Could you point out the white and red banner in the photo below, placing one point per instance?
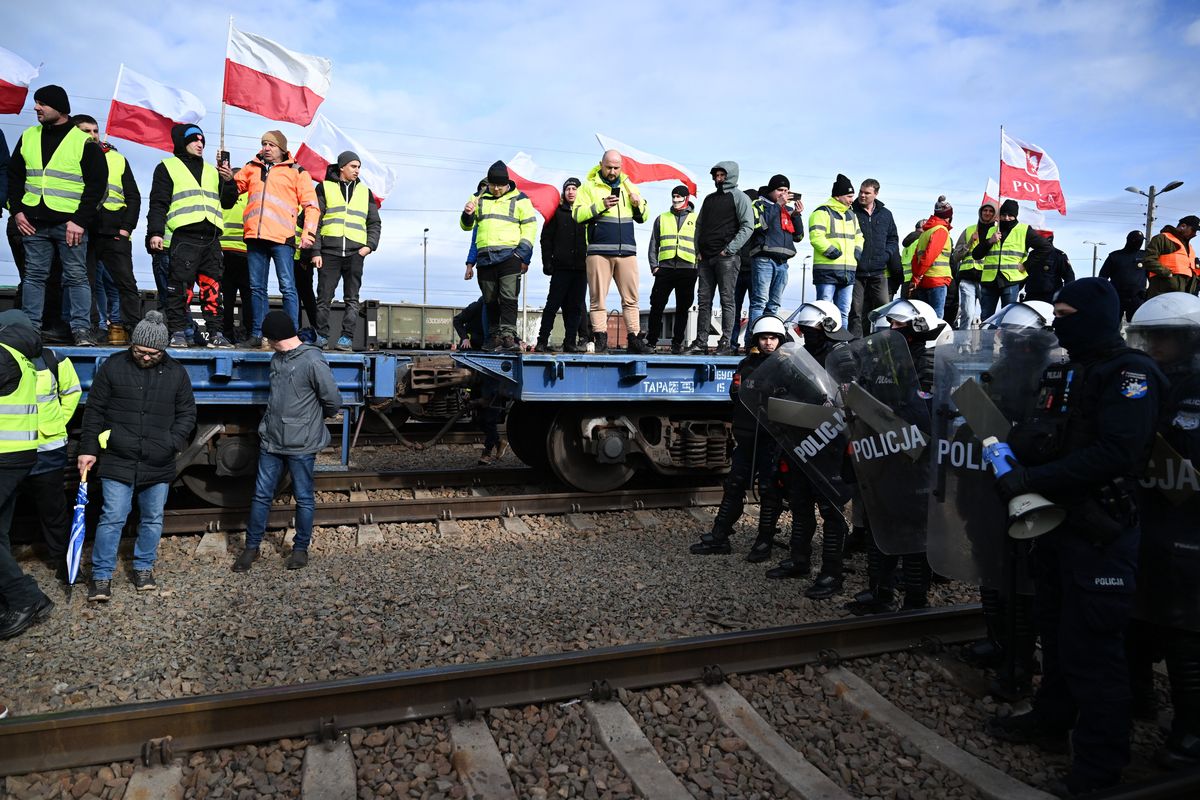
(15, 76)
(326, 141)
(144, 110)
(1028, 173)
(540, 185)
(1030, 214)
(268, 79)
(643, 167)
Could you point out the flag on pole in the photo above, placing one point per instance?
(642, 167)
(15, 76)
(325, 142)
(1028, 173)
(1030, 214)
(144, 110)
(266, 78)
(992, 193)
(541, 186)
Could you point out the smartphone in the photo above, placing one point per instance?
(616, 191)
(794, 196)
(223, 157)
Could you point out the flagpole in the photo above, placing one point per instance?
(228, 41)
(999, 185)
(120, 72)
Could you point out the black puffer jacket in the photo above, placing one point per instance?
(151, 413)
(564, 242)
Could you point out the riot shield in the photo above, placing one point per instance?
(968, 522)
(792, 397)
(889, 433)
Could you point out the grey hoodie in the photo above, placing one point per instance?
(741, 207)
(303, 394)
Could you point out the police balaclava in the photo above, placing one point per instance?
(1096, 324)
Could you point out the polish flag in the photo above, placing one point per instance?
(642, 167)
(15, 76)
(325, 142)
(1028, 173)
(144, 110)
(1030, 214)
(266, 78)
(541, 186)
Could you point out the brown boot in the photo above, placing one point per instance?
(118, 336)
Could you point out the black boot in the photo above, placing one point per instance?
(916, 575)
(601, 342)
(879, 596)
(790, 569)
(636, 344)
(542, 346)
(712, 544)
(829, 582)
(824, 587)
(856, 542)
(989, 652)
(569, 345)
(770, 509)
(716, 542)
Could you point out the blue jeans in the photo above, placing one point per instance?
(936, 297)
(270, 466)
(108, 301)
(842, 297)
(768, 279)
(968, 305)
(990, 294)
(259, 255)
(118, 499)
(39, 252)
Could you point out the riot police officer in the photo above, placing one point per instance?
(1091, 432)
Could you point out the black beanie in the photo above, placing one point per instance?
(1097, 317)
(841, 186)
(53, 96)
(778, 181)
(346, 157)
(680, 191)
(184, 134)
(497, 174)
(1009, 208)
(277, 325)
(571, 182)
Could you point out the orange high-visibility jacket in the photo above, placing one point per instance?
(274, 197)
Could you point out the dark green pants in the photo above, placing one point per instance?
(500, 285)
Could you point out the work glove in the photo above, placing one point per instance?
(832, 252)
(1014, 482)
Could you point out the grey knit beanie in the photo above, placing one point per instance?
(151, 332)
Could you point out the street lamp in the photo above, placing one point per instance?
(1150, 201)
(1095, 247)
(424, 281)
(803, 285)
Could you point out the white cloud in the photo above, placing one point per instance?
(1191, 33)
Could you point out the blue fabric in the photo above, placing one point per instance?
(259, 255)
(935, 296)
(768, 279)
(968, 304)
(108, 301)
(990, 295)
(842, 297)
(270, 467)
(118, 499)
(39, 252)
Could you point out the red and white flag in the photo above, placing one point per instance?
(642, 167)
(541, 186)
(992, 193)
(144, 110)
(15, 76)
(326, 141)
(268, 79)
(1030, 214)
(1028, 173)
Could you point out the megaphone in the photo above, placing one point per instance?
(1029, 515)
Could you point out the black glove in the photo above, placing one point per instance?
(832, 252)
(1014, 482)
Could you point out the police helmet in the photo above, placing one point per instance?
(916, 314)
(1026, 314)
(821, 314)
(1170, 310)
(768, 323)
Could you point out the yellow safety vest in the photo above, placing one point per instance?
(677, 242)
(906, 259)
(192, 202)
(19, 409)
(941, 265)
(231, 233)
(500, 221)
(57, 398)
(339, 221)
(1007, 256)
(968, 264)
(828, 226)
(114, 198)
(60, 183)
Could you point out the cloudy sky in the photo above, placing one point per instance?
(911, 93)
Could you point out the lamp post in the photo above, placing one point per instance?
(424, 281)
(803, 285)
(1095, 247)
(1153, 193)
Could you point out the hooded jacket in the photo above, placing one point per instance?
(652, 254)
(339, 246)
(563, 242)
(610, 231)
(17, 332)
(303, 394)
(162, 187)
(967, 240)
(726, 219)
(277, 193)
(95, 180)
(881, 241)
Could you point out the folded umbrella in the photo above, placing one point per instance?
(78, 530)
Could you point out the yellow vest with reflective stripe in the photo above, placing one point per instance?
(59, 183)
(19, 410)
(941, 265)
(54, 401)
(839, 229)
(498, 220)
(906, 259)
(114, 198)
(676, 242)
(192, 202)
(339, 221)
(970, 265)
(1007, 256)
(231, 233)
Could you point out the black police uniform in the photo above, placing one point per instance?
(1089, 435)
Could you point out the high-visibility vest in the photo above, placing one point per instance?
(498, 221)
(114, 197)
(1180, 262)
(19, 409)
(192, 202)
(838, 229)
(233, 228)
(296, 241)
(58, 394)
(674, 241)
(941, 265)
(968, 264)
(60, 183)
(341, 221)
(906, 259)
(1007, 256)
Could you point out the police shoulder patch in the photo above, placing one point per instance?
(1133, 384)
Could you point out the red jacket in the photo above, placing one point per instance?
(923, 260)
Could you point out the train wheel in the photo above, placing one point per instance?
(527, 426)
(224, 491)
(576, 468)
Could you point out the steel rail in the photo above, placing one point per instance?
(334, 480)
(104, 735)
